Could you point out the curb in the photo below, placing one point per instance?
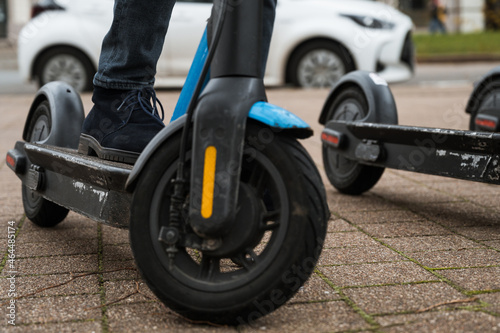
(462, 58)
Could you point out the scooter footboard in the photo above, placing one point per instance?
(87, 185)
(443, 152)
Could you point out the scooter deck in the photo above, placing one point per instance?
(85, 184)
(468, 155)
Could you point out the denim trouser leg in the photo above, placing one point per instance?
(133, 44)
(132, 47)
(268, 22)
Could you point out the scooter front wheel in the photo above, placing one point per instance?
(270, 251)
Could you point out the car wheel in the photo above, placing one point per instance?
(65, 64)
(319, 64)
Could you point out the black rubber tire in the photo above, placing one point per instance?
(348, 176)
(488, 98)
(291, 251)
(333, 49)
(80, 80)
(40, 211)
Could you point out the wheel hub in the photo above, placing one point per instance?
(245, 231)
(320, 68)
(40, 132)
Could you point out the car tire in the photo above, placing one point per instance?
(65, 64)
(319, 64)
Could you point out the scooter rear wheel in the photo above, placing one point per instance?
(488, 104)
(346, 175)
(281, 223)
(40, 211)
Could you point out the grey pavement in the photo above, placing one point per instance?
(417, 253)
(10, 80)
(449, 74)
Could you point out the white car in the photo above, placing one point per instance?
(314, 43)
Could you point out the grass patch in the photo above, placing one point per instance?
(481, 43)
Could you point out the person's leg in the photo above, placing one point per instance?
(123, 120)
(132, 47)
(433, 26)
(442, 27)
(269, 15)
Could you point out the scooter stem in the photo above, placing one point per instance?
(240, 46)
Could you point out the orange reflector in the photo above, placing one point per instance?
(207, 199)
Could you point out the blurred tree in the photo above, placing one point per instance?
(492, 14)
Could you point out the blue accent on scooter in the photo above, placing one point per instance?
(275, 116)
(192, 78)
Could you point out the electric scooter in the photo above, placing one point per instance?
(361, 136)
(226, 210)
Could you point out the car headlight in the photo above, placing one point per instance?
(370, 22)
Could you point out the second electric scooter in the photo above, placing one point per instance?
(361, 136)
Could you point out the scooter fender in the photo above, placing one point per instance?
(219, 125)
(475, 98)
(381, 106)
(66, 112)
(280, 120)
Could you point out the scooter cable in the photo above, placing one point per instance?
(201, 80)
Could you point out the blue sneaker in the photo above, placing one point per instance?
(120, 124)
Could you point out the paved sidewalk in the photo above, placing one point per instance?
(417, 253)
(8, 56)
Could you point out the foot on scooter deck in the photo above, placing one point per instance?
(90, 146)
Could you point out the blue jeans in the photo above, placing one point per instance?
(132, 47)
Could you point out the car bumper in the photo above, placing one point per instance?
(397, 62)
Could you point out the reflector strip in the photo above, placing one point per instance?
(207, 199)
(486, 123)
(330, 138)
(10, 161)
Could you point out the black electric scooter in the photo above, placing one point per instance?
(226, 210)
(361, 136)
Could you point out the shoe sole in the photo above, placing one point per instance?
(89, 146)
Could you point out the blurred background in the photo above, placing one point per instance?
(469, 34)
(464, 16)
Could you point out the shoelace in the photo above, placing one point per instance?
(142, 97)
